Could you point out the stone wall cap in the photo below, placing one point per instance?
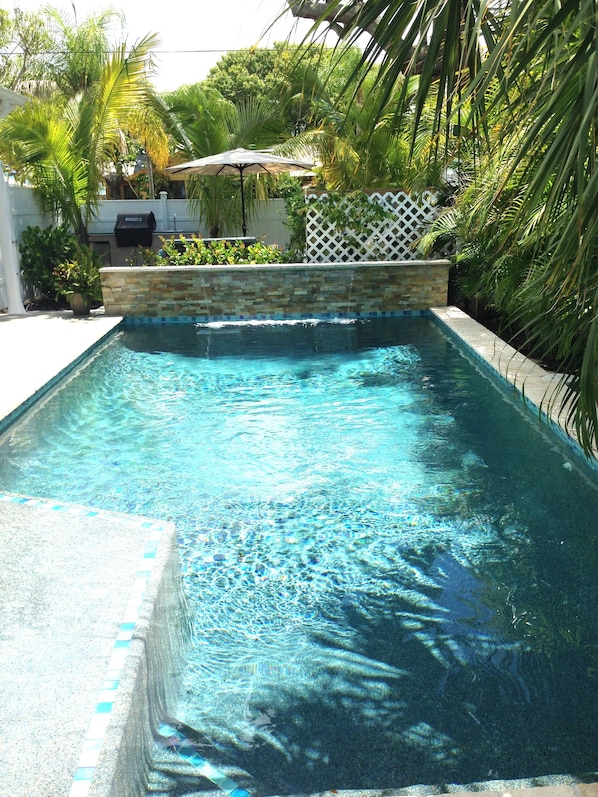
(279, 266)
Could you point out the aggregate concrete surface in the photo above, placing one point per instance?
(65, 580)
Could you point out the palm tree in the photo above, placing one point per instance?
(531, 67)
(204, 123)
(361, 147)
(62, 147)
(80, 47)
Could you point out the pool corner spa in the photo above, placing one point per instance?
(384, 573)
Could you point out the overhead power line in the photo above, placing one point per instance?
(154, 52)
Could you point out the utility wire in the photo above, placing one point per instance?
(154, 52)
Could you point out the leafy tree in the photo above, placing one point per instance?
(289, 75)
(62, 148)
(26, 47)
(253, 73)
(530, 67)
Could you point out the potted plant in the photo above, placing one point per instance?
(78, 280)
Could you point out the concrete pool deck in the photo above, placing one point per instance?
(67, 575)
(36, 347)
(66, 579)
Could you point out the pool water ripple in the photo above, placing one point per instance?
(391, 569)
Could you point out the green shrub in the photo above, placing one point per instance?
(195, 251)
(290, 190)
(41, 250)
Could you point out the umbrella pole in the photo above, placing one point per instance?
(243, 204)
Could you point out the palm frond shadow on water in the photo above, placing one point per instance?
(423, 688)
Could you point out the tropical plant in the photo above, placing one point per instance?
(352, 130)
(41, 250)
(195, 251)
(62, 148)
(79, 275)
(519, 78)
(80, 48)
(145, 125)
(204, 123)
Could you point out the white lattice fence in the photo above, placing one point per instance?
(393, 238)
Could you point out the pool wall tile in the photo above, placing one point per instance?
(142, 679)
(134, 321)
(539, 390)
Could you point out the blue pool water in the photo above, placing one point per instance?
(392, 568)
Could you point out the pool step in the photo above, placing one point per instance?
(185, 764)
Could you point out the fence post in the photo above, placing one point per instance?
(164, 209)
(8, 250)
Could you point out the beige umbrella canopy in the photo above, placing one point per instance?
(239, 162)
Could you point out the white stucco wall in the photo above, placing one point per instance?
(177, 215)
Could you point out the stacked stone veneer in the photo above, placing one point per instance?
(275, 291)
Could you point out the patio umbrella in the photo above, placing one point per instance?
(240, 161)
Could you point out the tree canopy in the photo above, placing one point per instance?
(63, 147)
(518, 82)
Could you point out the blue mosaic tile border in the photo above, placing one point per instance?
(186, 750)
(92, 744)
(204, 319)
(105, 700)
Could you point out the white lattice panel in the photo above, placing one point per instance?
(391, 239)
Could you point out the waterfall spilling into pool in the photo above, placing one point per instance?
(391, 564)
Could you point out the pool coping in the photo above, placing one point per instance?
(39, 349)
(541, 391)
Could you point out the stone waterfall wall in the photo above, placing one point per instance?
(275, 291)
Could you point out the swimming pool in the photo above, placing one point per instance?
(393, 568)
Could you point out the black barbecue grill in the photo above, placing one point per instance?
(134, 229)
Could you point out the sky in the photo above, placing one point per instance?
(194, 34)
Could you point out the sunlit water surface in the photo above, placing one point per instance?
(392, 570)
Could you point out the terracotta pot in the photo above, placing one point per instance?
(80, 305)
